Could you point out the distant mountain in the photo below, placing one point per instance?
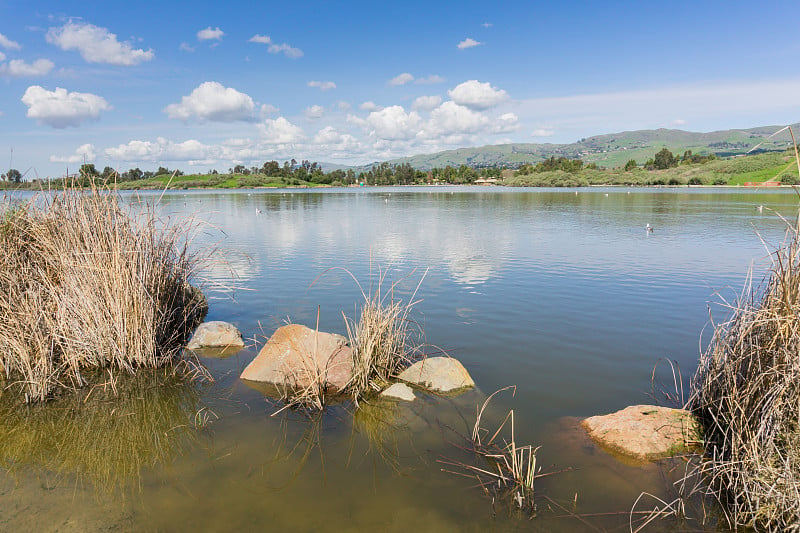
(611, 150)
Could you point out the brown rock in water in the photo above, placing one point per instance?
(439, 374)
(297, 356)
(646, 432)
(215, 334)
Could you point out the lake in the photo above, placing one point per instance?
(562, 293)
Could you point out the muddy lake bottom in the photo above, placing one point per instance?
(564, 295)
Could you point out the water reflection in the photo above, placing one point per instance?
(104, 436)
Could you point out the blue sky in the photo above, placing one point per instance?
(201, 85)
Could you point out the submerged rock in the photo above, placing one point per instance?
(646, 432)
(439, 374)
(297, 356)
(215, 334)
(399, 391)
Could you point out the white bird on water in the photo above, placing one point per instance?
(760, 208)
(258, 211)
(649, 228)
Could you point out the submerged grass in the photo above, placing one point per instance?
(86, 283)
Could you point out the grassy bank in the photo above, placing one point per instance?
(87, 283)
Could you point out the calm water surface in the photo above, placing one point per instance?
(564, 295)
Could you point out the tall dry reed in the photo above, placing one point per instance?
(87, 282)
(747, 393)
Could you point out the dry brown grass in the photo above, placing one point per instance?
(86, 283)
(747, 393)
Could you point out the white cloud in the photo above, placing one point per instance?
(450, 118)
(2, 56)
(84, 153)
(314, 112)
(289, 51)
(96, 45)
(487, 24)
(477, 95)
(186, 47)
(8, 44)
(369, 105)
(433, 78)
(341, 105)
(678, 122)
(60, 108)
(329, 138)
(275, 48)
(17, 68)
(210, 35)
(161, 150)
(214, 102)
(322, 85)
(401, 79)
(393, 123)
(468, 43)
(268, 109)
(262, 39)
(542, 132)
(506, 123)
(426, 103)
(280, 131)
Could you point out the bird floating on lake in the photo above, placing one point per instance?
(258, 211)
(606, 194)
(649, 228)
(760, 208)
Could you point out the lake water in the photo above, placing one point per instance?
(564, 295)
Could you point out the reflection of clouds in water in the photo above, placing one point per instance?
(391, 249)
(229, 268)
(471, 270)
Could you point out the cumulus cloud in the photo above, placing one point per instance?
(212, 101)
(314, 112)
(61, 108)
(477, 95)
(96, 44)
(329, 138)
(341, 105)
(280, 131)
(210, 35)
(275, 48)
(426, 103)
(160, 150)
(401, 79)
(468, 43)
(84, 153)
(17, 68)
(322, 85)
(450, 118)
(393, 123)
(369, 105)
(506, 123)
(542, 132)
(268, 109)
(8, 44)
(186, 47)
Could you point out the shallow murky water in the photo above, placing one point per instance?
(564, 295)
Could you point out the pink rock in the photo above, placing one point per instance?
(297, 356)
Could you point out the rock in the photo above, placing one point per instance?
(298, 356)
(646, 432)
(439, 374)
(399, 391)
(215, 334)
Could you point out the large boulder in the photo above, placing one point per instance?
(439, 374)
(645, 432)
(215, 334)
(297, 356)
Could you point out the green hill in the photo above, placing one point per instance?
(610, 150)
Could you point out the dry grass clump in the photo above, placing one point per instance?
(384, 339)
(747, 393)
(86, 284)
